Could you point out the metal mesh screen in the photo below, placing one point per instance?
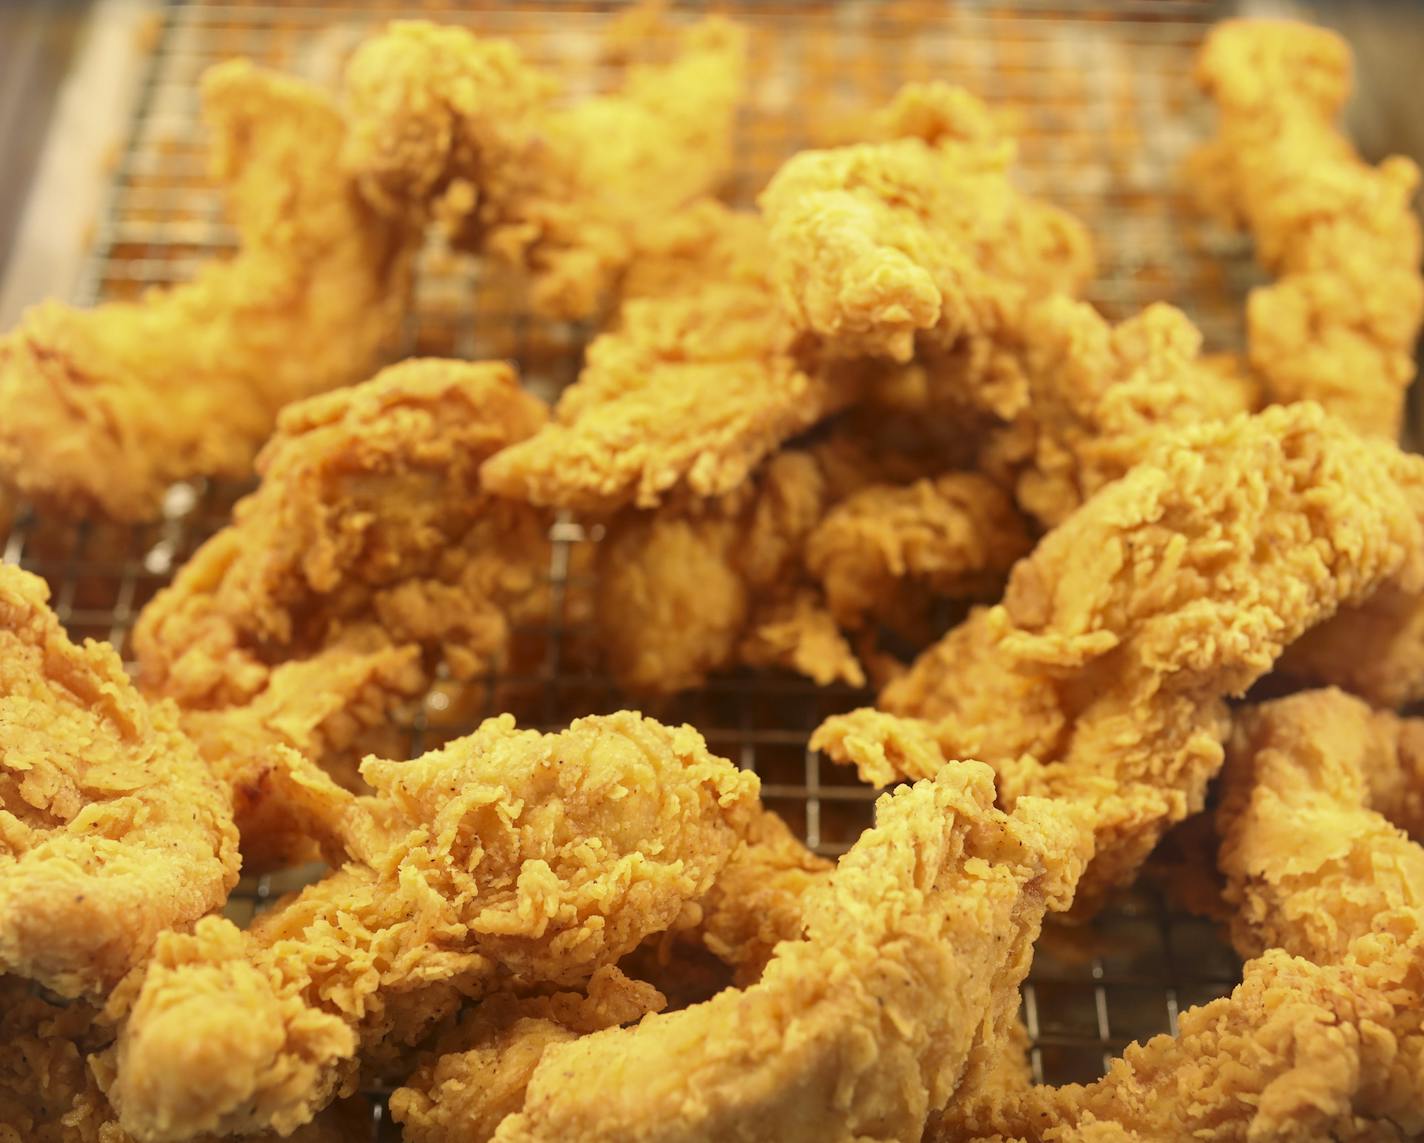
(1101, 99)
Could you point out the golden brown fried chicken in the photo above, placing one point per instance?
(955, 536)
(685, 592)
(1311, 857)
(105, 408)
(1131, 623)
(899, 993)
(478, 1072)
(759, 898)
(1100, 398)
(1297, 1053)
(47, 1094)
(507, 859)
(689, 392)
(1339, 324)
(1322, 1039)
(920, 240)
(112, 830)
(369, 553)
(462, 129)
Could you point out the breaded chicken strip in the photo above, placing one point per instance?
(688, 393)
(479, 1071)
(462, 129)
(1375, 650)
(1101, 396)
(684, 592)
(105, 408)
(954, 536)
(900, 992)
(1169, 591)
(507, 858)
(748, 579)
(1323, 1038)
(920, 240)
(47, 1094)
(112, 830)
(1342, 239)
(368, 554)
(1311, 857)
(1299, 1052)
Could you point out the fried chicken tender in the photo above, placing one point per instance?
(689, 392)
(1298, 1052)
(47, 1094)
(507, 858)
(956, 536)
(369, 553)
(1101, 396)
(759, 898)
(683, 593)
(462, 129)
(1311, 857)
(920, 240)
(900, 992)
(1169, 591)
(105, 408)
(480, 1070)
(1340, 322)
(112, 830)
(1322, 1039)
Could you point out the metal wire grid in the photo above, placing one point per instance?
(1101, 100)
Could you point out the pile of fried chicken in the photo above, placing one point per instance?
(806, 433)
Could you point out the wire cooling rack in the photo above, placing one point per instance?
(1101, 99)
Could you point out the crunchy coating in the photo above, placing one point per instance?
(368, 553)
(1100, 398)
(1375, 650)
(1297, 1053)
(47, 1094)
(508, 857)
(1342, 239)
(105, 408)
(920, 240)
(956, 535)
(900, 992)
(1311, 857)
(689, 392)
(682, 592)
(112, 830)
(1169, 591)
(1322, 1039)
(448, 125)
(759, 898)
(479, 1070)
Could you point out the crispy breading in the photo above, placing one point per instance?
(478, 1072)
(105, 408)
(1342, 239)
(368, 555)
(47, 1094)
(1169, 591)
(920, 240)
(900, 992)
(689, 391)
(1100, 398)
(507, 857)
(112, 830)
(1297, 1053)
(452, 126)
(954, 536)
(1322, 1038)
